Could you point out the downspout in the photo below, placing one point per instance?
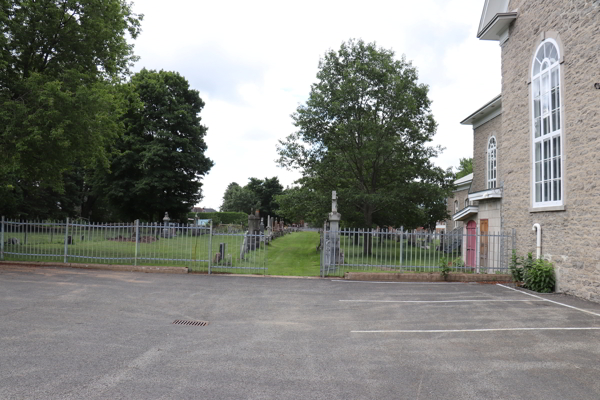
(538, 249)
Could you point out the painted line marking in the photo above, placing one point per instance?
(404, 283)
(431, 301)
(479, 330)
(551, 301)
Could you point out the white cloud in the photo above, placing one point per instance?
(254, 62)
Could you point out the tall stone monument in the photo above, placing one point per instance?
(253, 231)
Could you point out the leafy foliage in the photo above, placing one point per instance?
(536, 274)
(160, 159)
(257, 194)
(465, 167)
(59, 62)
(303, 204)
(445, 267)
(515, 267)
(364, 133)
(540, 277)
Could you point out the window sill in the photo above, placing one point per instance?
(551, 208)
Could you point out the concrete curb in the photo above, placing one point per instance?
(107, 267)
(426, 277)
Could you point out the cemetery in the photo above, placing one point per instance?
(258, 247)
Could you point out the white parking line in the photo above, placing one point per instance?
(479, 330)
(551, 301)
(403, 283)
(431, 301)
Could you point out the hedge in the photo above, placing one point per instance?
(222, 217)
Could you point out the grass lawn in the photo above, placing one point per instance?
(294, 254)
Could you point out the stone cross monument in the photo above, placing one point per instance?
(334, 216)
(334, 256)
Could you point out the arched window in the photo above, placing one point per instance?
(491, 163)
(547, 126)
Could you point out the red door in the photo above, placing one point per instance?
(471, 244)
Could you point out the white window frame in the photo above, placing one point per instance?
(547, 125)
(492, 157)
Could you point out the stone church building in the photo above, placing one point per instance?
(536, 148)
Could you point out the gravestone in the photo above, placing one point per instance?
(253, 231)
(261, 229)
(166, 232)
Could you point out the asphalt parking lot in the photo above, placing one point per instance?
(74, 334)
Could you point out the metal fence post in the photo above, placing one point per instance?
(401, 246)
(137, 240)
(2, 240)
(210, 245)
(66, 240)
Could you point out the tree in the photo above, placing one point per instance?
(464, 168)
(364, 132)
(266, 190)
(59, 104)
(300, 203)
(239, 199)
(257, 194)
(160, 159)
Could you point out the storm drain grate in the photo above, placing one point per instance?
(194, 323)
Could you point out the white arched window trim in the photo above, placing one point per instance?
(492, 150)
(547, 126)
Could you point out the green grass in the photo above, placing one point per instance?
(294, 254)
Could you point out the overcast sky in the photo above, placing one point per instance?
(253, 63)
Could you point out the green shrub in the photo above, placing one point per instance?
(540, 276)
(527, 262)
(458, 262)
(444, 267)
(515, 268)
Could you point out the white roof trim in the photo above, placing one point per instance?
(497, 29)
(488, 194)
(465, 213)
(464, 179)
(490, 9)
(490, 110)
(463, 183)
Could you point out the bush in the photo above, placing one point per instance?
(515, 268)
(540, 277)
(458, 263)
(444, 267)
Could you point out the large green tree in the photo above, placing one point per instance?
(364, 132)
(59, 62)
(257, 194)
(160, 159)
(61, 65)
(239, 199)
